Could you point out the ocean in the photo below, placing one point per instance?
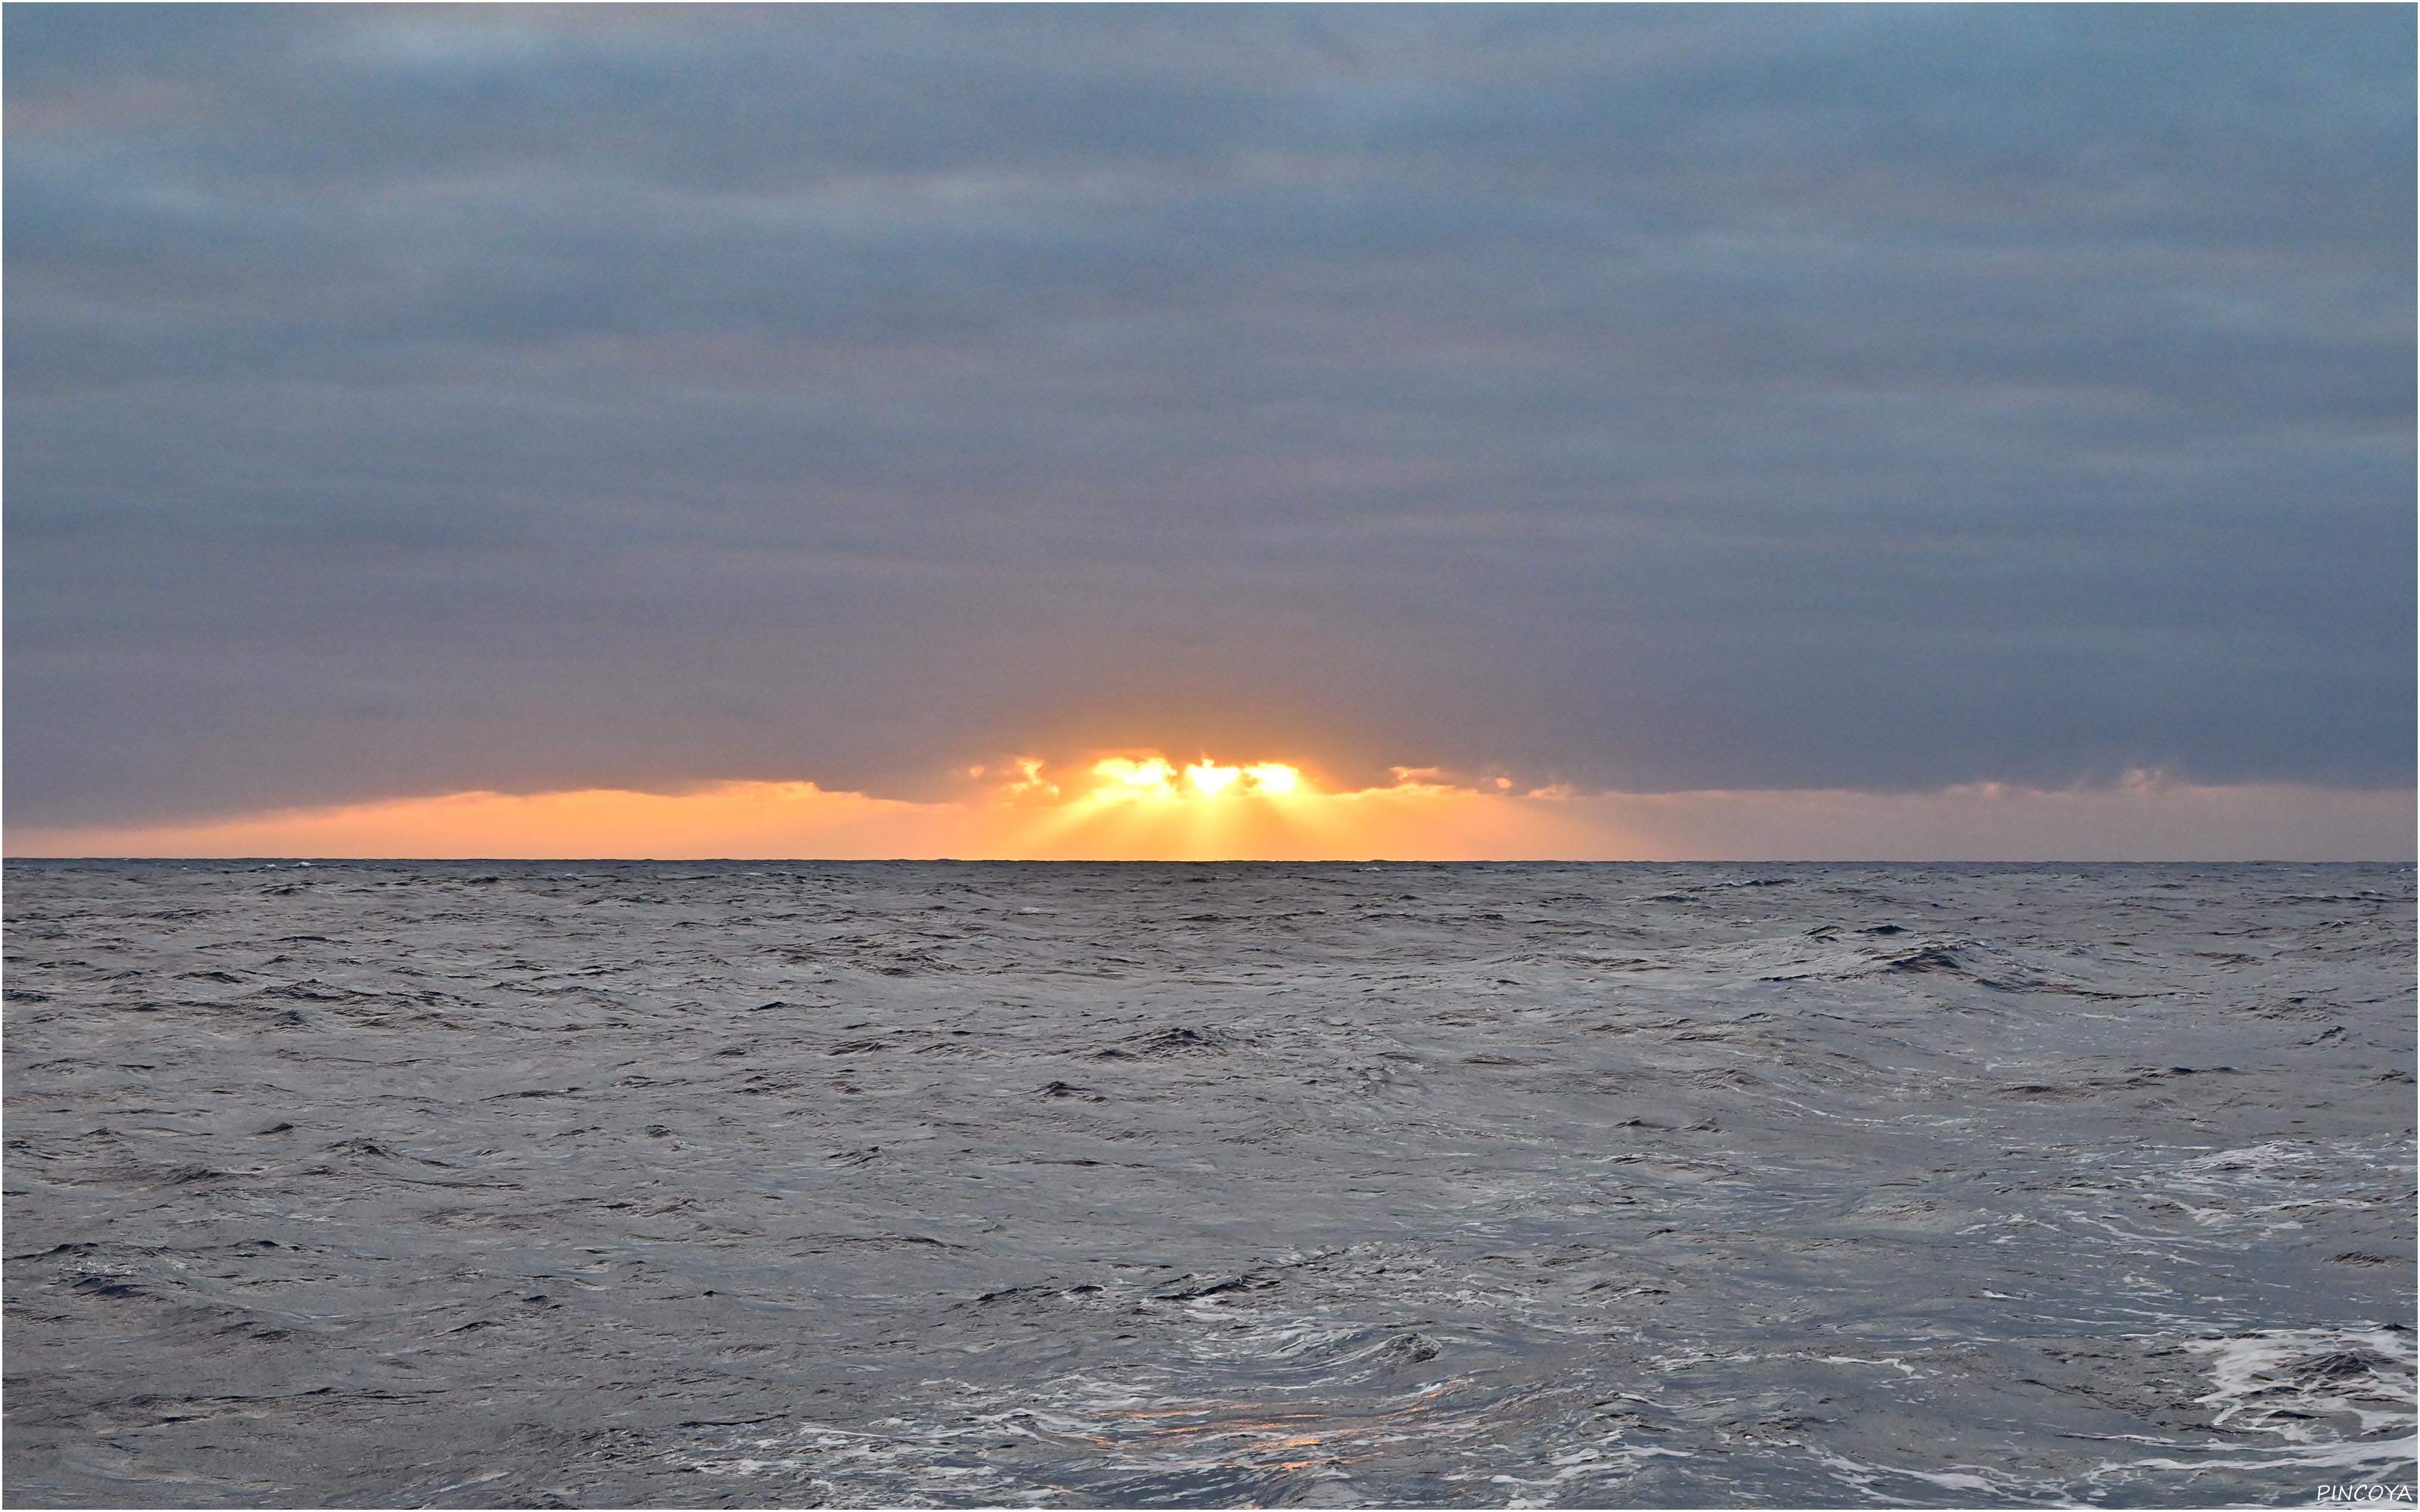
(1207, 1185)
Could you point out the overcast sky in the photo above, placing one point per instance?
(404, 401)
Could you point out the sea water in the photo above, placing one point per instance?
(759, 1184)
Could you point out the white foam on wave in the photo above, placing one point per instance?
(2326, 1398)
(1612, 1460)
(1973, 1480)
(2301, 1384)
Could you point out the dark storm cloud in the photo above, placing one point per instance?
(404, 400)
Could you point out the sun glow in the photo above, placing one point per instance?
(1141, 806)
(1156, 780)
(1272, 778)
(1124, 778)
(1209, 780)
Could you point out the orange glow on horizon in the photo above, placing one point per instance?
(1138, 806)
(1141, 806)
(1155, 779)
(1144, 807)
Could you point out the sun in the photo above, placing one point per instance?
(1156, 780)
(1141, 803)
(1272, 778)
(1208, 778)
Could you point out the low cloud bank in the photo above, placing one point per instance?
(1419, 817)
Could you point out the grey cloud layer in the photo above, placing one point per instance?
(403, 400)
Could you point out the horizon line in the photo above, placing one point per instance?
(1230, 860)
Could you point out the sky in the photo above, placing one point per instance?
(1586, 432)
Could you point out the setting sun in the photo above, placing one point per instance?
(1128, 779)
(1210, 779)
(1155, 779)
(1272, 776)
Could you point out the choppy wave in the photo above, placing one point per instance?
(1187, 1185)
